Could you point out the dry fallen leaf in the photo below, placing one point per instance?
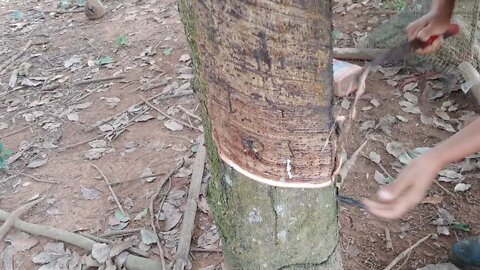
(367, 125)
(435, 199)
(39, 162)
(443, 230)
(90, 194)
(395, 148)
(413, 110)
(375, 157)
(100, 252)
(173, 125)
(426, 120)
(413, 99)
(21, 241)
(460, 187)
(345, 104)
(402, 118)
(375, 102)
(410, 86)
(73, 117)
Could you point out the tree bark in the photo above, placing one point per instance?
(263, 77)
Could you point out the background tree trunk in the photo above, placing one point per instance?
(264, 79)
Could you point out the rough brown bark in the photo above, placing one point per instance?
(267, 67)
(263, 77)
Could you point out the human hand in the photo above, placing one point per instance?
(395, 200)
(433, 23)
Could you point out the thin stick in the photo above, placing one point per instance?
(122, 232)
(406, 252)
(105, 120)
(15, 215)
(152, 216)
(207, 250)
(136, 178)
(109, 187)
(149, 82)
(388, 239)
(444, 189)
(62, 11)
(168, 116)
(36, 179)
(132, 263)
(14, 132)
(107, 241)
(80, 143)
(188, 223)
(15, 57)
(102, 79)
(50, 87)
(189, 113)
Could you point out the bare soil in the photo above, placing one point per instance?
(155, 46)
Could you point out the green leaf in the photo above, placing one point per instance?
(6, 153)
(17, 15)
(121, 217)
(148, 237)
(104, 60)
(167, 51)
(195, 148)
(460, 226)
(121, 41)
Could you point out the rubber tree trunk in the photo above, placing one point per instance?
(263, 77)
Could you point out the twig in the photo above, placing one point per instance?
(102, 79)
(149, 82)
(80, 143)
(188, 223)
(50, 87)
(208, 250)
(15, 215)
(388, 239)
(132, 263)
(14, 132)
(36, 179)
(107, 241)
(379, 165)
(160, 205)
(105, 120)
(189, 113)
(122, 232)
(444, 189)
(136, 178)
(406, 252)
(168, 116)
(15, 57)
(109, 187)
(62, 11)
(152, 216)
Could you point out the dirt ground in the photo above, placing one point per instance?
(48, 110)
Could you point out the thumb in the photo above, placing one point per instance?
(391, 192)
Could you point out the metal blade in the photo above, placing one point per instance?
(393, 55)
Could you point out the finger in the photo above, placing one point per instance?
(412, 30)
(393, 191)
(398, 208)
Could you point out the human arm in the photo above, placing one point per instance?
(395, 200)
(435, 22)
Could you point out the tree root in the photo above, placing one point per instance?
(133, 262)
